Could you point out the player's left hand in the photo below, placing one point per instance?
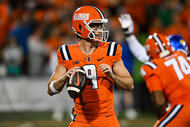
(126, 23)
(106, 69)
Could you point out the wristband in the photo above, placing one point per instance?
(128, 35)
(125, 30)
(52, 87)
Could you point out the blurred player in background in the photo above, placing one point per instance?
(103, 65)
(177, 42)
(167, 76)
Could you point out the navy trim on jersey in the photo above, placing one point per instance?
(109, 49)
(112, 48)
(115, 49)
(67, 50)
(170, 116)
(61, 51)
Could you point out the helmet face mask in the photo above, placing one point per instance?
(97, 32)
(157, 46)
(85, 17)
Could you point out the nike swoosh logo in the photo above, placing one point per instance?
(100, 59)
(77, 83)
(108, 115)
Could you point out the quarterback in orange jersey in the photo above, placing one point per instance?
(102, 63)
(167, 77)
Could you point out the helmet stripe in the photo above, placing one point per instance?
(159, 42)
(100, 12)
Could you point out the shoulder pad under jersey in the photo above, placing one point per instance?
(147, 69)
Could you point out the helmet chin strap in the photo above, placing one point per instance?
(92, 38)
(103, 37)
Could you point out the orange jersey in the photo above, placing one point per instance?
(97, 98)
(170, 75)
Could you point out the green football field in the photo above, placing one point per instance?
(44, 119)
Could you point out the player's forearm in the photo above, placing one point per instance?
(159, 102)
(137, 49)
(125, 83)
(56, 86)
(160, 110)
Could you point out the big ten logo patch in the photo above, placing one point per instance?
(76, 62)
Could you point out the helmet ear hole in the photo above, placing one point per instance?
(80, 27)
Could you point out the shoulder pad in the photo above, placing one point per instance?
(147, 69)
(183, 51)
(151, 65)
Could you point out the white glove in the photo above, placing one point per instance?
(126, 24)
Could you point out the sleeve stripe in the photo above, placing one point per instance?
(65, 52)
(115, 49)
(112, 49)
(61, 51)
(152, 65)
(68, 52)
(108, 49)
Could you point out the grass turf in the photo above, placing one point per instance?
(44, 119)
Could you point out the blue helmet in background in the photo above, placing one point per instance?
(177, 42)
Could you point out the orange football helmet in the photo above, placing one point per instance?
(81, 20)
(157, 46)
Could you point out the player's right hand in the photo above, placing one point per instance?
(126, 23)
(71, 71)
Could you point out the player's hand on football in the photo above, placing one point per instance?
(126, 23)
(106, 69)
(71, 71)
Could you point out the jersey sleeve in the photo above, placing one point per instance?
(118, 55)
(152, 80)
(63, 55)
(153, 83)
(114, 50)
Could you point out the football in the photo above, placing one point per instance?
(76, 83)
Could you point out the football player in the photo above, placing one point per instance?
(177, 42)
(103, 65)
(167, 77)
